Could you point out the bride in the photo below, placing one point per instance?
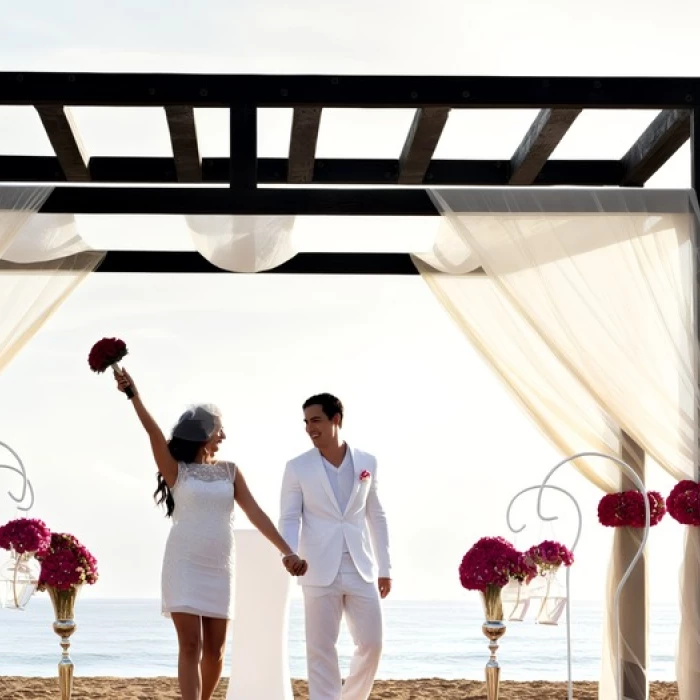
(198, 567)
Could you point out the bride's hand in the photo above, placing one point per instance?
(294, 565)
(124, 381)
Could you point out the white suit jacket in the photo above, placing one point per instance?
(308, 501)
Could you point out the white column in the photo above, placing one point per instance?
(260, 659)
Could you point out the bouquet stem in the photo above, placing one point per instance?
(128, 391)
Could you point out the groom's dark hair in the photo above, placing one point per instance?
(331, 405)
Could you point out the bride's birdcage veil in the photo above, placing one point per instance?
(198, 423)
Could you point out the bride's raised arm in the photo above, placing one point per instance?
(167, 465)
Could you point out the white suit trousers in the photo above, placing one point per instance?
(324, 607)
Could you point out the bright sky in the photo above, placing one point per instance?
(453, 448)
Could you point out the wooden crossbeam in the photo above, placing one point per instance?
(325, 201)
(62, 132)
(302, 144)
(252, 202)
(660, 140)
(423, 136)
(243, 164)
(543, 136)
(373, 91)
(328, 171)
(183, 137)
(304, 263)
(695, 156)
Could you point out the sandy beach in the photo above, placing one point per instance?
(13, 688)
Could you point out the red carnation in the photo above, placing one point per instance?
(549, 555)
(684, 503)
(492, 561)
(105, 353)
(66, 563)
(626, 509)
(25, 535)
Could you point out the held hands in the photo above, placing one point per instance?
(294, 565)
(124, 381)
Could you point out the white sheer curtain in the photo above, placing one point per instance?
(17, 205)
(606, 280)
(243, 243)
(42, 260)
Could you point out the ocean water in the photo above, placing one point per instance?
(129, 638)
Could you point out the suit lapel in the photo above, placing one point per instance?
(325, 482)
(357, 484)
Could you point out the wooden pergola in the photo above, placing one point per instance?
(188, 184)
(302, 184)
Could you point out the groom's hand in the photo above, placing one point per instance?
(384, 587)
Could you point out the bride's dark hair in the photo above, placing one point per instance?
(182, 451)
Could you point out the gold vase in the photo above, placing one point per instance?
(63, 602)
(493, 628)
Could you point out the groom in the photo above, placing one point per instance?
(331, 490)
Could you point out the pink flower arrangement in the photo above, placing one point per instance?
(549, 555)
(25, 535)
(492, 562)
(626, 509)
(365, 475)
(684, 503)
(67, 563)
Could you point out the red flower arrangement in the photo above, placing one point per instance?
(492, 562)
(25, 535)
(684, 503)
(365, 475)
(626, 509)
(105, 353)
(549, 555)
(67, 563)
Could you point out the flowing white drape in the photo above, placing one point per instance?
(42, 260)
(243, 243)
(605, 279)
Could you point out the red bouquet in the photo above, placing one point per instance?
(66, 563)
(684, 503)
(25, 535)
(626, 509)
(549, 555)
(493, 561)
(107, 353)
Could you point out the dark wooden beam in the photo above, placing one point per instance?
(660, 140)
(62, 132)
(201, 200)
(422, 139)
(302, 264)
(327, 171)
(93, 199)
(243, 165)
(302, 145)
(543, 136)
(207, 90)
(695, 153)
(183, 137)
(38, 169)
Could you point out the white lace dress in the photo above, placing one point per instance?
(199, 561)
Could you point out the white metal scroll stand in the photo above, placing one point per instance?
(629, 472)
(27, 489)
